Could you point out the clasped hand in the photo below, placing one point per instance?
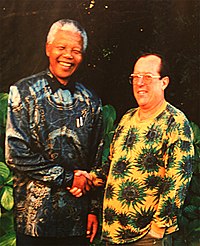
(81, 184)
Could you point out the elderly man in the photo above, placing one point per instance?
(151, 163)
(53, 139)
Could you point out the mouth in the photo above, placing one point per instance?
(142, 92)
(67, 65)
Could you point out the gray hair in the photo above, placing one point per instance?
(67, 25)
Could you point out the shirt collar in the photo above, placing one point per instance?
(55, 84)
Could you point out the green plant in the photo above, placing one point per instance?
(189, 221)
(7, 233)
(109, 118)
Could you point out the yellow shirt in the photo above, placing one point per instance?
(150, 171)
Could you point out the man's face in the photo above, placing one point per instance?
(65, 54)
(148, 95)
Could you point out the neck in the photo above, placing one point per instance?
(146, 113)
(60, 80)
(63, 82)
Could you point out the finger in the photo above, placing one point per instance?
(89, 228)
(88, 233)
(89, 185)
(73, 190)
(84, 173)
(79, 182)
(76, 192)
(78, 173)
(93, 232)
(78, 195)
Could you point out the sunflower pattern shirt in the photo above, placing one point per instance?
(150, 171)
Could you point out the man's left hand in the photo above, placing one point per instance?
(92, 226)
(155, 235)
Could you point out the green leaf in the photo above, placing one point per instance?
(179, 242)
(194, 226)
(3, 110)
(6, 222)
(196, 131)
(7, 200)
(195, 200)
(109, 117)
(9, 239)
(2, 157)
(4, 170)
(109, 111)
(109, 125)
(191, 212)
(183, 222)
(106, 152)
(195, 185)
(9, 180)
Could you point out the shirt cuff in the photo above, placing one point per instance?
(157, 232)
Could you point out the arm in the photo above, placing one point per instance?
(24, 153)
(178, 173)
(84, 181)
(92, 226)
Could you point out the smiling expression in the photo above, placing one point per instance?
(148, 96)
(65, 54)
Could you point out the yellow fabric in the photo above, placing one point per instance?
(149, 174)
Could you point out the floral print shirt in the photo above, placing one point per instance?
(150, 171)
(52, 130)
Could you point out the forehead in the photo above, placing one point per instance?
(68, 37)
(149, 63)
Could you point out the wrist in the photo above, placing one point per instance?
(155, 234)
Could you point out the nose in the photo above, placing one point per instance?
(68, 53)
(141, 80)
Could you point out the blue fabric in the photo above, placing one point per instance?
(50, 133)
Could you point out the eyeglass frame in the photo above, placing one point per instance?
(142, 76)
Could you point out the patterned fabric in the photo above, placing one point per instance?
(149, 175)
(52, 130)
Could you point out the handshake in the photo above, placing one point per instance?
(83, 182)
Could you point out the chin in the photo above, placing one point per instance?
(143, 105)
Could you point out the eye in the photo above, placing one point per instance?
(77, 52)
(148, 76)
(136, 76)
(60, 47)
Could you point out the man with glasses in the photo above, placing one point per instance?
(150, 163)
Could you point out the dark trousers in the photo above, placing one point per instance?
(148, 241)
(24, 240)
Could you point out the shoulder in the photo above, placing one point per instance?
(87, 93)
(30, 80)
(129, 113)
(176, 113)
(177, 121)
(30, 84)
(127, 116)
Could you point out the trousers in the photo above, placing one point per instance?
(147, 240)
(24, 240)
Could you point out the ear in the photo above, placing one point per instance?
(48, 49)
(165, 82)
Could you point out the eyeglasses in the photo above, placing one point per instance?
(134, 79)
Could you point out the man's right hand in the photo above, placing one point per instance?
(81, 184)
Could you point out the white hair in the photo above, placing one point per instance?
(67, 25)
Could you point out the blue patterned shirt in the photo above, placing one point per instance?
(52, 130)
